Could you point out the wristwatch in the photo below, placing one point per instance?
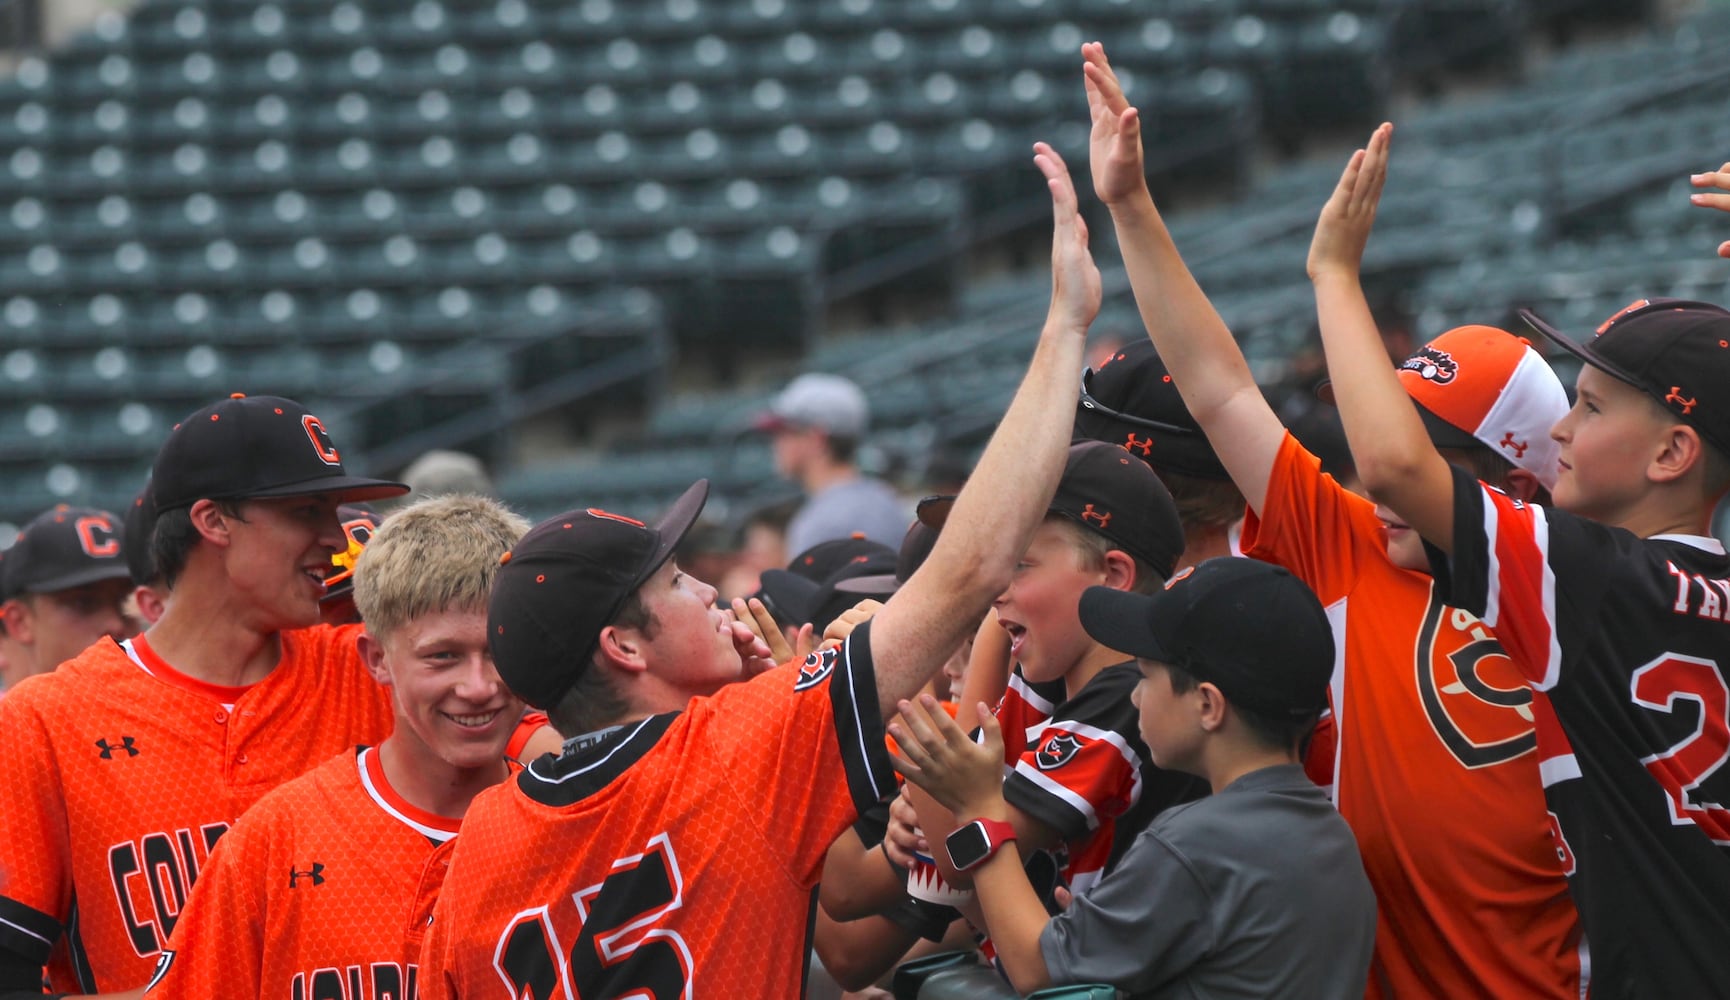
(969, 846)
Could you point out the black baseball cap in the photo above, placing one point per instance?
(140, 525)
(359, 521)
(62, 548)
(255, 447)
(1106, 490)
(1249, 627)
(1131, 401)
(565, 582)
(916, 546)
(1674, 350)
(796, 594)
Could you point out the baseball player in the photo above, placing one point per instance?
(131, 761)
(1612, 601)
(149, 598)
(705, 800)
(1436, 769)
(324, 887)
(62, 585)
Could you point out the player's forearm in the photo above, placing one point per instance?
(1393, 453)
(856, 953)
(858, 881)
(1193, 341)
(987, 666)
(1014, 917)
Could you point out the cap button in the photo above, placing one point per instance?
(237, 395)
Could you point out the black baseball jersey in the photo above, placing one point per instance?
(1088, 775)
(1626, 640)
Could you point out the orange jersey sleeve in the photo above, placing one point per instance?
(702, 835)
(125, 775)
(323, 889)
(532, 722)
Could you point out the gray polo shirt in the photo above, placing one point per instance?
(863, 505)
(1255, 892)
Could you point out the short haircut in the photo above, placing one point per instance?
(434, 555)
(1714, 463)
(1203, 504)
(174, 537)
(1092, 547)
(1274, 734)
(594, 702)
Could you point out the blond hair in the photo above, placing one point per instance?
(434, 555)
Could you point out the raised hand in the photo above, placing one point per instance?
(1718, 180)
(1346, 220)
(1075, 286)
(936, 754)
(756, 617)
(1114, 145)
(852, 618)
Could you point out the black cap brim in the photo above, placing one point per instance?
(879, 585)
(673, 526)
(791, 598)
(80, 578)
(1117, 619)
(346, 489)
(1579, 350)
(933, 511)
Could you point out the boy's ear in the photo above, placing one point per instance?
(1680, 451)
(1120, 571)
(622, 648)
(1521, 485)
(1212, 707)
(19, 623)
(372, 656)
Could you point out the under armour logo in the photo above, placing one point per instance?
(316, 873)
(1517, 447)
(1145, 445)
(1092, 516)
(126, 744)
(1675, 398)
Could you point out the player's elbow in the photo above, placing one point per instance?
(1387, 471)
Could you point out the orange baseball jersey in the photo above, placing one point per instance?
(320, 892)
(673, 857)
(531, 723)
(1435, 763)
(1628, 640)
(1087, 775)
(123, 773)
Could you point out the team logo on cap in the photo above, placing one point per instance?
(1091, 516)
(1625, 310)
(606, 516)
(1056, 751)
(1675, 398)
(1517, 447)
(320, 438)
(96, 536)
(1432, 365)
(1143, 445)
(816, 668)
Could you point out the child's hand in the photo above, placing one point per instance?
(962, 776)
(1114, 146)
(1720, 180)
(1344, 226)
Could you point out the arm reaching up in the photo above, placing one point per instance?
(1192, 339)
(1004, 499)
(1395, 458)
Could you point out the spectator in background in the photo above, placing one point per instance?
(64, 582)
(439, 472)
(817, 423)
(149, 597)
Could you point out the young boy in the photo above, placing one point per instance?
(1434, 769)
(1254, 891)
(1612, 602)
(63, 585)
(329, 879)
(1081, 783)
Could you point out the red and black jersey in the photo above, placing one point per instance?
(1087, 775)
(673, 857)
(1023, 711)
(1630, 640)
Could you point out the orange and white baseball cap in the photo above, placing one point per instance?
(1482, 385)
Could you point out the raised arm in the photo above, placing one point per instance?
(1395, 458)
(1719, 197)
(994, 517)
(1192, 339)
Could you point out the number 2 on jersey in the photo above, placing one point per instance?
(621, 950)
(1683, 768)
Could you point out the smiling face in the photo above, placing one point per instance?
(1039, 608)
(449, 702)
(1608, 440)
(279, 554)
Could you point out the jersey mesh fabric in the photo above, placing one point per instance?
(321, 890)
(124, 773)
(1629, 640)
(701, 834)
(1437, 774)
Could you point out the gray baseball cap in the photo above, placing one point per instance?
(828, 402)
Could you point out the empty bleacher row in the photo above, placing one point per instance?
(438, 203)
